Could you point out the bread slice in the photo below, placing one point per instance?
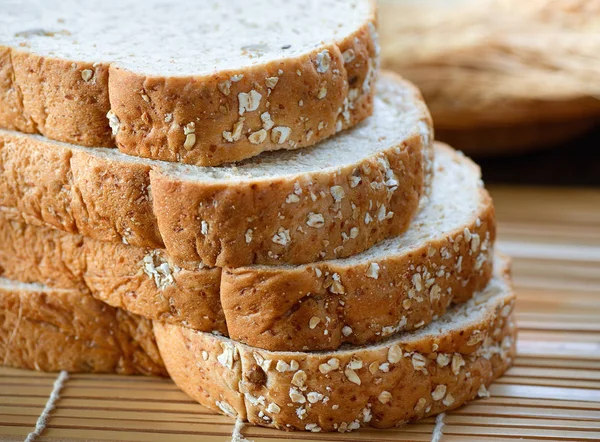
(142, 281)
(407, 377)
(200, 83)
(48, 329)
(329, 201)
(401, 284)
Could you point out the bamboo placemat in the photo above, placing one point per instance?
(552, 392)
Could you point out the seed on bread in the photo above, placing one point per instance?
(267, 121)
(483, 391)
(87, 74)
(385, 397)
(314, 428)
(226, 408)
(457, 363)
(373, 271)
(113, 122)
(443, 359)
(258, 137)
(349, 55)
(352, 376)
(330, 365)
(299, 378)
(476, 337)
(283, 366)
(394, 354)
(273, 408)
(296, 396)
(439, 392)
(314, 397)
(419, 361)
(314, 321)
(337, 192)
(322, 91)
(323, 61)
(280, 134)
(228, 357)
(271, 82)
(448, 400)
(236, 133)
(355, 363)
(315, 220)
(248, 102)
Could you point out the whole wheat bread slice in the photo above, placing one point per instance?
(139, 280)
(48, 329)
(408, 377)
(446, 252)
(401, 283)
(202, 83)
(333, 200)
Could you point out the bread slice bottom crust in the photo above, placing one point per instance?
(408, 377)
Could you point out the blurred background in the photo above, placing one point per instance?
(512, 83)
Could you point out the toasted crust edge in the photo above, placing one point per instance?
(51, 330)
(147, 282)
(55, 98)
(87, 191)
(245, 382)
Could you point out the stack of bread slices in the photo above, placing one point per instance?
(233, 195)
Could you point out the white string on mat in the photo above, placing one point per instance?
(237, 432)
(437, 430)
(40, 425)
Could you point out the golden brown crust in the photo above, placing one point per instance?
(304, 307)
(142, 104)
(380, 386)
(125, 277)
(48, 96)
(74, 190)
(280, 230)
(54, 97)
(51, 330)
(268, 307)
(115, 198)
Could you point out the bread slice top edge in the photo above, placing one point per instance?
(456, 198)
(400, 115)
(190, 38)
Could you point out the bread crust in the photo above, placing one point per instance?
(51, 330)
(379, 386)
(142, 281)
(116, 198)
(303, 307)
(54, 97)
(268, 307)
(257, 224)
